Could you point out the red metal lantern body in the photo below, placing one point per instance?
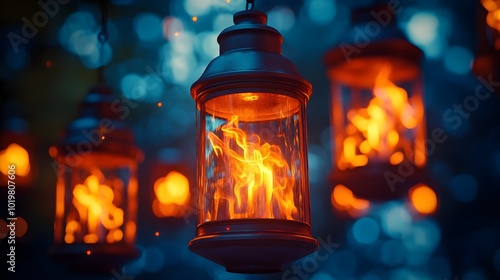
(253, 187)
(96, 192)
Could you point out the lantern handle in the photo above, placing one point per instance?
(250, 4)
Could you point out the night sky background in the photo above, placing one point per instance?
(44, 79)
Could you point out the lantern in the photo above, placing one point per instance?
(487, 61)
(377, 113)
(96, 192)
(252, 174)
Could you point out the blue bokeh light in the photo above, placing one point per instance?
(365, 230)
(321, 12)
(393, 253)
(154, 259)
(395, 220)
(148, 27)
(458, 60)
(464, 187)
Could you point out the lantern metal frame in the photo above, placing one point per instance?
(251, 61)
(119, 141)
(392, 46)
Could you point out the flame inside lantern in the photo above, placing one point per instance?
(98, 216)
(380, 131)
(260, 180)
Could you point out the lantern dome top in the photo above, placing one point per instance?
(250, 61)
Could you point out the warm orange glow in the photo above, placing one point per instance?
(157, 234)
(17, 155)
(423, 199)
(262, 186)
(195, 18)
(176, 34)
(377, 132)
(172, 192)
(344, 199)
(89, 252)
(160, 104)
(53, 151)
(493, 17)
(98, 215)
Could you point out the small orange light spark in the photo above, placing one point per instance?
(160, 104)
(103, 137)
(48, 63)
(157, 233)
(176, 34)
(89, 252)
(195, 18)
(228, 1)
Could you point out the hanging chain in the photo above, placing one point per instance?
(102, 38)
(250, 4)
(103, 34)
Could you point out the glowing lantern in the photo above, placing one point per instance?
(15, 148)
(96, 192)
(377, 112)
(253, 182)
(487, 61)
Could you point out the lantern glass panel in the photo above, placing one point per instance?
(96, 202)
(378, 118)
(252, 158)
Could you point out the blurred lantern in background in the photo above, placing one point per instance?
(377, 113)
(253, 187)
(487, 61)
(16, 148)
(96, 192)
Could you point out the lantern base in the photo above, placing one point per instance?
(93, 258)
(253, 245)
(380, 182)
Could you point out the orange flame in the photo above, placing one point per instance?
(17, 155)
(260, 180)
(377, 131)
(493, 17)
(172, 193)
(98, 215)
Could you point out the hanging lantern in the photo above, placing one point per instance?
(487, 60)
(253, 187)
(16, 149)
(96, 192)
(377, 113)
